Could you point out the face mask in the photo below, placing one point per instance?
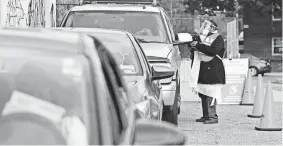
(205, 32)
(205, 28)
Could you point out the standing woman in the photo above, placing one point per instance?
(207, 65)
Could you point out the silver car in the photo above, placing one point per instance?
(257, 65)
(60, 89)
(151, 26)
(142, 80)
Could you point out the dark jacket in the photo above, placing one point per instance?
(212, 72)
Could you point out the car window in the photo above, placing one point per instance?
(144, 25)
(170, 26)
(69, 20)
(31, 83)
(116, 123)
(114, 120)
(123, 100)
(49, 79)
(118, 101)
(124, 52)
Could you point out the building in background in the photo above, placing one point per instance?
(263, 34)
(27, 13)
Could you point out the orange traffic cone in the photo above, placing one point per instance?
(248, 95)
(258, 102)
(267, 122)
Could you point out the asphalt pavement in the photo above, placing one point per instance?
(273, 78)
(234, 127)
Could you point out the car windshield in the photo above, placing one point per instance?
(145, 26)
(42, 85)
(124, 52)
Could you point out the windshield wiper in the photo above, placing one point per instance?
(146, 41)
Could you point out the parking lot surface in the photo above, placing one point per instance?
(234, 127)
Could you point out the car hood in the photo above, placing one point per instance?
(156, 49)
(136, 86)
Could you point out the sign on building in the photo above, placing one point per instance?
(232, 40)
(27, 13)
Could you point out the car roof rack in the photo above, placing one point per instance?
(141, 2)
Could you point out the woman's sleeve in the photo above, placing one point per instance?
(211, 50)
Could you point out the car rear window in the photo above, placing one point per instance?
(124, 52)
(40, 81)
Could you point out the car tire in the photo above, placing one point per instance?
(262, 74)
(254, 71)
(172, 115)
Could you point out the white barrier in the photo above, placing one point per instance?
(236, 72)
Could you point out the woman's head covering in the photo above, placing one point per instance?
(213, 24)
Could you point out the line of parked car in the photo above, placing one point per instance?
(151, 27)
(108, 75)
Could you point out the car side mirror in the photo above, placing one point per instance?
(151, 132)
(160, 72)
(183, 38)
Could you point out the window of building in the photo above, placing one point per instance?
(276, 15)
(276, 46)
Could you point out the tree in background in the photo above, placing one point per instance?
(178, 8)
(209, 7)
(193, 6)
(175, 11)
(263, 6)
(228, 7)
(62, 6)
